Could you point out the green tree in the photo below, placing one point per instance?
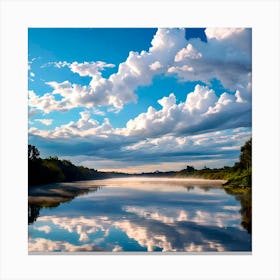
(190, 169)
(52, 169)
(245, 160)
(53, 172)
(33, 152)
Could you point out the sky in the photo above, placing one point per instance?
(140, 99)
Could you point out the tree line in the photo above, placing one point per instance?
(240, 174)
(53, 169)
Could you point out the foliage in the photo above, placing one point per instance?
(245, 161)
(52, 169)
(33, 152)
(238, 175)
(189, 170)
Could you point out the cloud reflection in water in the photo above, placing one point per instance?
(147, 219)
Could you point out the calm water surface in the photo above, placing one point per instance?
(135, 215)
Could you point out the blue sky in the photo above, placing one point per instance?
(140, 99)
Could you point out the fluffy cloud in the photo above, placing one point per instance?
(46, 229)
(165, 132)
(160, 228)
(84, 127)
(32, 112)
(83, 226)
(222, 58)
(47, 103)
(225, 56)
(89, 69)
(144, 237)
(173, 133)
(188, 52)
(155, 66)
(219, 219)
(46, 245)
(222, 33)
(153, 230)
(99, 92)
(45, 121)
(202, 111)
(110, 151)
(154, 214)
(240, 40)
(161, 237)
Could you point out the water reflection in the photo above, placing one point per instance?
(148, 216)
(33, 213)
(52, 195)
(245, 198)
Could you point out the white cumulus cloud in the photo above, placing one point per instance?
(46, 229)
(201, 111)
(226, 56)
(45, 121)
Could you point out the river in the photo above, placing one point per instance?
(138, 215)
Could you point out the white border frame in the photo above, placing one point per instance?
(17, 16)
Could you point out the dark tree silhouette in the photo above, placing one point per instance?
(33, 152)
(33, 213)
(52, 169)
(190, 169)
(246, 155)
